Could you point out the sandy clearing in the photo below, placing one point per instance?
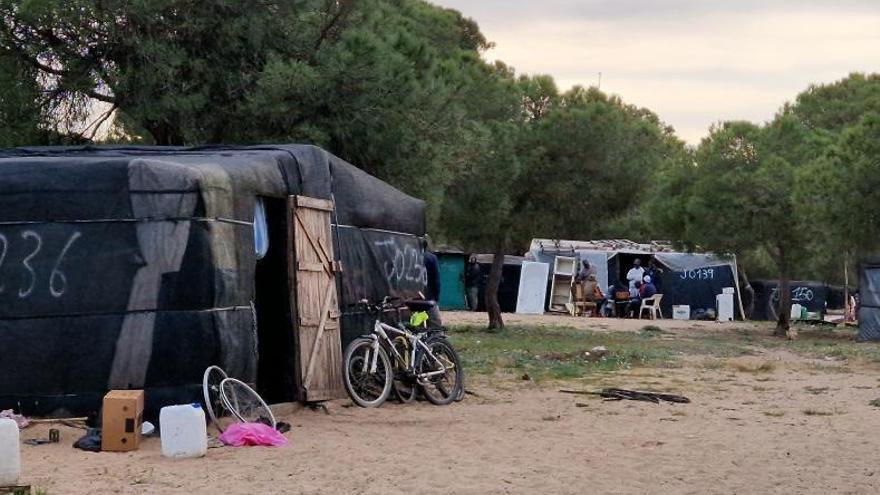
(773, 422)
(745, 432)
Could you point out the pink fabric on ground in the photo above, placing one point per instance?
(20, 420)
(246, 434)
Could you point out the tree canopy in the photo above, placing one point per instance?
(401, 88)
(20, 112)
(841, 180)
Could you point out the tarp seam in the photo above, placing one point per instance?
(376, 230)
(133, 311)
(132, 220)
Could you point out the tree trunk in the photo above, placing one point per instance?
(846, 307)
(783, 311)
(492, 306)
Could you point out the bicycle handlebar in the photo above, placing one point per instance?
(378, 308)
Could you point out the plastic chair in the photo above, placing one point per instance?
(652, 304)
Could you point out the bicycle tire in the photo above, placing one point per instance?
(212, 395)
(437, 389)
(405, 392)
(245, 403)
(404, 387)
(358, 381)
(444, 337)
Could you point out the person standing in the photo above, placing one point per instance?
(584, 273)
(472, 276)
(654, 272)
(634, 275)
(432, 290)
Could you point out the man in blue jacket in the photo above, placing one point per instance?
(432, 291)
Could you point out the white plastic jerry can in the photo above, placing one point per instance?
(796, 311)
(10, 453)
(184, 431)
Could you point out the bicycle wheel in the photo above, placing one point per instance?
(442, 388)
(217, 410)
(245, 403)
(405, 391)
(443, 337)
(366, 388)
(404, 386)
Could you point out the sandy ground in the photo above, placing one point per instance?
(804, 426)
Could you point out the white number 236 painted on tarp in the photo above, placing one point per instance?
(57, 279)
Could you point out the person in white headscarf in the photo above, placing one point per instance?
(647, 288)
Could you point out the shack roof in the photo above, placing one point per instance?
(611, 245)
(96, 182)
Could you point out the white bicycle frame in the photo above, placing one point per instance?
(382, 330)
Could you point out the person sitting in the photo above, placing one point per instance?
(581, 299)
(647, 289)
(608, 303)
(594, 293)
(635, 288)
(620, 296)
(635, 300)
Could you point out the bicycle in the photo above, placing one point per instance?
(423, 359)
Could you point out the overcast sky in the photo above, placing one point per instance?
(694, 62)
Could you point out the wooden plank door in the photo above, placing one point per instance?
(313, 295)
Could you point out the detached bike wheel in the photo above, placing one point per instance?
(245, 403)
(216, 409)
(367, 388)
(445, 386)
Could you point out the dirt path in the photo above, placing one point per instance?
(773, 423)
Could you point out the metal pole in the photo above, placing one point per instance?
(739, 299)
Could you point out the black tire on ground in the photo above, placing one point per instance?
(441, 389)
(366, 389)
(442, 336)
(405, 392)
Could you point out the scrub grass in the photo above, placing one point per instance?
(824, 342)
(538, 352)
(818, 412)
(765, 367)
(561, 353)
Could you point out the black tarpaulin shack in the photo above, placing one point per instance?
(508, 288)
(692, 279)
(137, 267)
(812, 295)
(869, 300)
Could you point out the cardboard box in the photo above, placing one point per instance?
(122, 418)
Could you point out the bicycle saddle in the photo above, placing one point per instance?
(419, 305)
